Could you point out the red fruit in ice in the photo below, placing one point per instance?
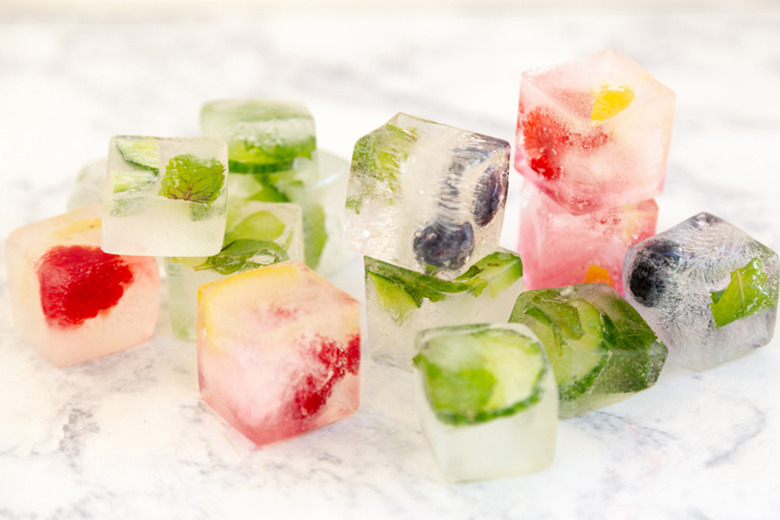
(546, 139)
(79, 282)
(331, 364)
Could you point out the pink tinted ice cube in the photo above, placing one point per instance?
(70, 300)
(560, 249)
(594, 133)
(278, 351)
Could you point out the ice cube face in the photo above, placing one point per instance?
(71, 301)
(257, 234)
(600, 348)
(426, 196)
(88, 187)
(400, 302)
(560, 249)
(278, 351)
(707, 288)
(487, 400)
(263, 135)
(165, 196)
(594, 133)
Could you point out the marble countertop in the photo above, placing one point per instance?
(127, 436)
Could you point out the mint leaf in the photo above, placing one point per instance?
(242, 255)
(380, 154)
(260, 225)
(746, 294)
(191, 178)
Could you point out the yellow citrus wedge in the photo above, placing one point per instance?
(610, 101)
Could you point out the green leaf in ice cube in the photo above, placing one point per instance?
(380, 155)
(747, 293)
(192, 178)
(260, 225)
(244, 254)
(315, 235)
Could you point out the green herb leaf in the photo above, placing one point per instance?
(260, 225)
(191, 178)
(746, 294)
(242, 255)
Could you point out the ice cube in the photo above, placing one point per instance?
(88, 187)
(594, 133)
(70, 300)
(273, 157)
(165, 196)
(487, 400)
(278, 351)
(400, 302)
(263, 135)
(426, 196)
(257, 234)
(600, 348)
(560, 249)
(707, 288)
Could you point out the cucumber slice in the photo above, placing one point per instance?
(126, 181)
(571, 331)
(391, 296)
(477, 373)
(315, 236)
(143, 152)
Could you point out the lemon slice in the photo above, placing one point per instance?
(610, 101)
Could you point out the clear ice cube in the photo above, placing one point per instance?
(70, 300)
(487, 400)
(400, 302)
(426, 196)
(560, 249)
(278, 351)
(594, 133)
(600, 348)
(707, 288)
(165, 196)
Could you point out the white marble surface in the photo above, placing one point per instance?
(128, 436)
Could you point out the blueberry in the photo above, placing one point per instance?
(490, 196)
(650, 277)
(444, 245)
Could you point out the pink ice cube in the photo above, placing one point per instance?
(594, 133)
(560, 249)
(278, 351)
(70, 300)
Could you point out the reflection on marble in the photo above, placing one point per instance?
(128, 437)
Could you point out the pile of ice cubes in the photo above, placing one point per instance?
(247, 219)
(232, 216)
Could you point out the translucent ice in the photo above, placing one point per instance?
(88, 187)
(600, 348)
(707, 288)
(426, 196)
(256, 234)
(594, 133)
(71, 301)
(560, 249)
(278, 351)
(164, 196)
(400, 302)
(487, 400)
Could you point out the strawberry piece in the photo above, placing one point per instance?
(79, 282)
(331, 365)
(546, 139)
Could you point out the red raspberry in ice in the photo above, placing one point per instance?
(546, 140)
(544, 137)
(79, 282)
(334, 363)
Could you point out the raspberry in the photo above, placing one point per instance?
(79, 282)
